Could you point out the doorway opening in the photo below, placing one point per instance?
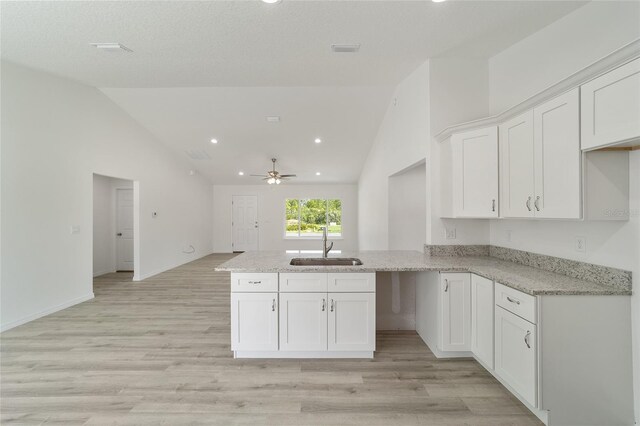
(114, 229)
(244, 222)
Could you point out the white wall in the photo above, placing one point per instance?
(271, 211)
(528, 67)
(104, 222)
(55, 135)
(401, 142)
(560, 49)
(408, 209)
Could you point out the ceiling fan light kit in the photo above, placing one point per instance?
(273, 176)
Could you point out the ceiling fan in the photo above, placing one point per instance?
(273, 176)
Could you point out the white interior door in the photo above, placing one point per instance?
(245, 222)
(124, 229)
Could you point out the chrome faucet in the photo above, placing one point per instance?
(325, 249)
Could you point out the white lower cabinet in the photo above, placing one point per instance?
(516, 359)
(303, 321)
(352, 322)
(482, 312)
(254, 321)
(455, 312)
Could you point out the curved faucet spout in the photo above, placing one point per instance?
(325, 249)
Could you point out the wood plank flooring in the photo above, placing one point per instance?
(158, 352)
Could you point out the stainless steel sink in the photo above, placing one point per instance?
(331, 261)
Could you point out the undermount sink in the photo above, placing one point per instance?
(331, 261)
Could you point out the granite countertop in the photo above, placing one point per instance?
(527, 279)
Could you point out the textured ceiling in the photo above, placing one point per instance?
(216, 68)
(250, 43)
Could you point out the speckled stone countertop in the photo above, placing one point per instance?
(527, 279)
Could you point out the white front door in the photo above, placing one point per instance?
(124, 229)
(245, 222)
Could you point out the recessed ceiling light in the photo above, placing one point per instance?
(317, 173)
(214, 140)
(345, 48)
(273, 119)
(318, 140)
(438, 1)
(271, 1)
(241, 173)
(113, 47)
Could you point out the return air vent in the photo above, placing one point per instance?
(197, 154)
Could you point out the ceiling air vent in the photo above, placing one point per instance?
(345, 48)
(197, 154)
(111, 47)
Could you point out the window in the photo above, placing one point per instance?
(305, 218)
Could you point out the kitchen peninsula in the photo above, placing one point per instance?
(547, 333)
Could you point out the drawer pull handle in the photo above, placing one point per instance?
(255, 282)
(526, 339)
(536, 203)
(273, 305)
(446, 285)
(493, 205)
(324, 304)
(529, 203)
(517, 302)
(332, 305)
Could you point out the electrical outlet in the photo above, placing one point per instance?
(581, 244)
(450, 233)
(508, 235)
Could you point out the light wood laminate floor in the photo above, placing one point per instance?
(158, 352)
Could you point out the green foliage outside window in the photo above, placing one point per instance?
(307, 217)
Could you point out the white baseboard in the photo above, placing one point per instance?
(98, 273)
(141, 277)
(48, 311)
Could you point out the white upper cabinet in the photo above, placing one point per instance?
(540, 161)
(556, 136)
(611, 108)
(474, 164)
(517, 166)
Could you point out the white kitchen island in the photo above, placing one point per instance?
(560, 344)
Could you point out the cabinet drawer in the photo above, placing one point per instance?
(521, 304)
(302, 282)
(352, 282)
(254, 282)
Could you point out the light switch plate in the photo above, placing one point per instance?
(581, 244)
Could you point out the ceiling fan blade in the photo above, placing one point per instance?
(257, 175)
(287, 176)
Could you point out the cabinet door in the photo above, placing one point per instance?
(254, 321)
(516, 354)
(610, 104)
(482, 311)
(455, 302)
(475, 173)
(303, 321)
(556, 130)
(516, 166)
(352, 322)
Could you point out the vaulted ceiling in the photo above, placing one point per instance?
(207, 69)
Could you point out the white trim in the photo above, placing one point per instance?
(98, 273)
(303, 354)
(613, 60)
(48, 311)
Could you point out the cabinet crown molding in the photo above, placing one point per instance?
(613, 60)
